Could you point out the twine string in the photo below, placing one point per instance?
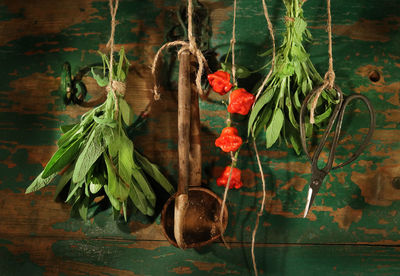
(113, 85)
(271, 32)
(260, 212)
(190, 46)
(233, 41)
(260, 89)
(116, 87)
(228, 121)
(221, 214)
(329, 78)
(192, 40)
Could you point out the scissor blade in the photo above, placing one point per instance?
(310, 200)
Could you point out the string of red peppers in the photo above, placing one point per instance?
(240, 101)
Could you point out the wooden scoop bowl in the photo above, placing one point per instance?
(190, 217)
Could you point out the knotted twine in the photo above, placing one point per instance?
(260, 212)
(329, 78)
(190, 46)
(114, 86)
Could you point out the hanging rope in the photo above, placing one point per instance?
(261, 211)
(233, 41)
(113, 86)
(221, 214)
(329, 78)
(233, 158)
(190, 46)
(271, 32)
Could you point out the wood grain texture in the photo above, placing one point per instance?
(353, 227)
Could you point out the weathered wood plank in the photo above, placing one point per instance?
(49, 256)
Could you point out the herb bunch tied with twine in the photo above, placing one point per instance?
(95, 157)
(279, 99)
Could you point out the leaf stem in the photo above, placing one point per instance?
(227, 54)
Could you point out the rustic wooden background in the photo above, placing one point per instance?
(353, 228)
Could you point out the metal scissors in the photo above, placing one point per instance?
(317, 174)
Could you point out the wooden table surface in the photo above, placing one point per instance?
(353, 228)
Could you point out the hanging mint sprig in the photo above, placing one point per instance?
(96, 158)
(293, 77)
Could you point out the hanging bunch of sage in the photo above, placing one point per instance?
(96, 158)
(293, 77)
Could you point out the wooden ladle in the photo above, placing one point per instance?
(190, 217)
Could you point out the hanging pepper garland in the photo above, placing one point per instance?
(95, 156)
(294, 76)
(240, 102)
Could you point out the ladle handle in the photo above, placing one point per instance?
(184, 95)
(195, 142)
(181, 198)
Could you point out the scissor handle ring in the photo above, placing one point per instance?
(371, 130)
(331, 120)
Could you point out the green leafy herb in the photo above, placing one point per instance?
(293, 77)
(40, 182)
(95, 156)
(241, 71)
(274, 127)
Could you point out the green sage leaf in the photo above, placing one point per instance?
(139, 200)
(73, 189)
(265, 98)
(101, 80)
(94, 188)
(89, 155)
(125, 159)
(114, 202)
(40, 182)
(83, 208)
(144, 186)
(264, 120)
(126, 111)
(105, 121)
(63, 156)
(64, 180)
(112, 139)
(87, 189)
(292, 117)
(299, 26)
(274, 127)
(309, 129)
(153, 171)
(68, 135)
(126, 152)
(116, 186)
(296, 101)
(66, 128)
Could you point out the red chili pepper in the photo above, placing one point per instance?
(235, 178)
(229, 140)
(220, 82)
(240, 101)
